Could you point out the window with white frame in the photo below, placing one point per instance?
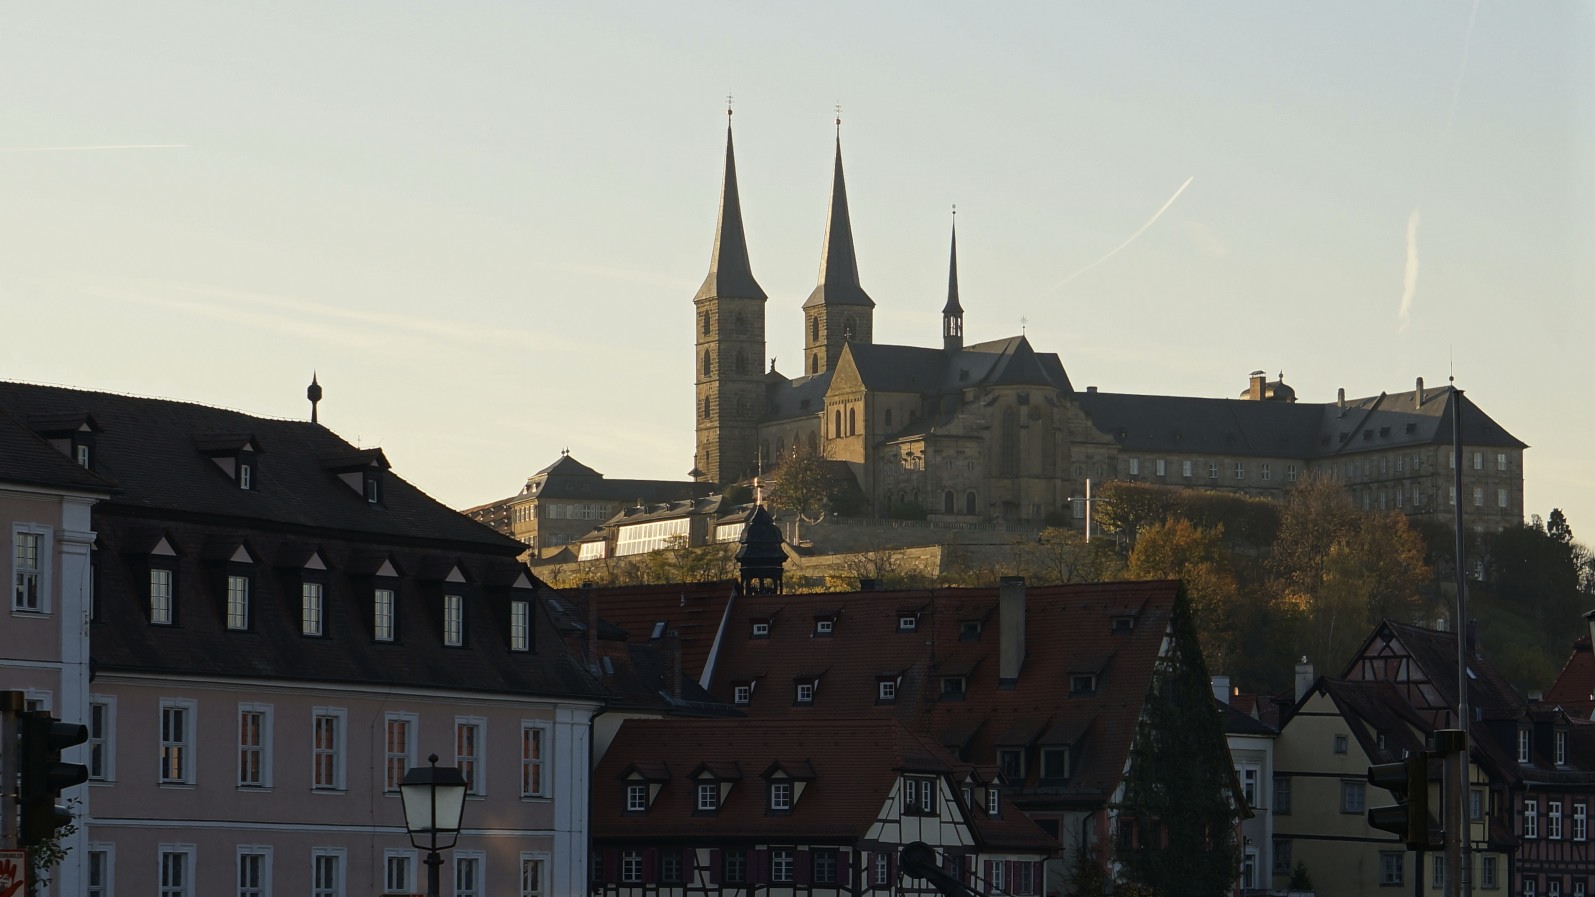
(886, 690)
(1553, 886)
(470, 867)
(327, 871)
(1500, 498)
(254, 870)
(176, 874)
(1161, 467)
(102, 738)
(1523, 745)
(1530, 886)
(1580, 821)
(326, 748)
(1553, 820)
(1185, 469)
(780, 797)
(99, 871)
(882, 869)
(398, 871)
(1390, 867)
(1500, 461)
(1264, 471)
(254, 745)
(1135, 467)
(534, 744)
(1560, 741)
(520, 625)
(741, 694)
(782, 864)
(161, 595)
(997, 881)
(636, 797)
(1353, 797)
(177, 741)
(1488, 877)
(382, 615)
(312, 610)
(398, 748)
(631, 866)
(533, 874)
(237, 602)
(805, 693)
(30, 564)
(919, 796)
(993, 800)
(1212, 470)
(470, 734)
(1531, 818)
(1478, 496)
(1240, 470)
(708, 796)
(1478, 460)
(453, 620)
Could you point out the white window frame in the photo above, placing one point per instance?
(384, 603)
(409, 723)
(1392, 874)
(340, 860)
(402, 861)
(106, 887)
(1240, 470)
(708, 796)
(184, 888)
(805, 693)
(535, 885)
(886, 690)
(741, 694)
(264, 748)
(636, 797)
(993, 800)
(1500, 461)
(336, 751)
(631, 867)
(999, 876)
(237, 601)
(263, 852)
(474, 764)
(1531, 818)
(520, 625)
(535, 770)
(103, 742)
(882, 868)
(162, 595)
(1559, 739)
(1553, 820)
(454, 620)
(1186, 468)
(783, 865)
(1135, 467)
(1212, 470)
(1580, 821)
(183, 745)
(1264, 471)
(1523, 746)
(473, 858)
(1160, 467)
(312, 608)
(781, 796)
(33, 575)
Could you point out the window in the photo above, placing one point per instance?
(1282, 795)
(919, 796)
(1240, 470)
(469, 738)
(1054, 763)
(161, 595)
(1352, 797)
(254, 871)
(1212, 470)
(735, 862)
(1478, 460)
(780, 797)
(398, 748)
(533, 744)
(326, 749)
(1390, 863)
(882, 869)
(1522, 745)
(1487, 872)
(824, 867)
(1185, 469)
(1437, 871)
(952, 686)
(382, 615)
(468, 866)
(1553, 886)
(1531, 819)
(670, 865)
(398, 871)
(520, 625)
(310, 608)
(532, 876)
(453, 620)
(1082, 684)
(1553, 820)
(907, 622)
(1248, 773)
(805, 693)
(1561, 748)
(636, 797)
(1263, 471)
(177, 870)
(1012, 763)
(997, 880)
(993, 800)
(708, 796)
(631, 865)
(1500, 498)
(177, 739)
(886, 690)
(246, 476)
(781, 864)
(1340, 744)
(1500, 461)
(28, 565)
(1581, 821)
(1282, 850)
(1529, 886)
(1478, 496)
(741, 694)
(1135, 467)
(761, 630)
(326, 872)
(824, 626)
(102, 730)
(1475, 804)
(1162, 467)
(237, 602)
(254, 745)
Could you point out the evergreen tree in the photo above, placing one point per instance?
(1180, 792)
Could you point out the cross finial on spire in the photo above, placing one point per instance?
(729, 100)
(1024, 324)
(838, 108)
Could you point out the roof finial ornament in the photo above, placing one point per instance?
(838, 108)
(729, 100)
(772, 364)
(313, 393)
(1024, 325)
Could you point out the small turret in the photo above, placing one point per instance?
(313, 393)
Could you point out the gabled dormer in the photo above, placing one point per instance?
(363, 471)
(235, 564)
(784, 783)
(305, 566)
(71, 432)
(825, 623)
(712, 784)
(236, 455)
(158, 558)
(804, 687)
(642, 784)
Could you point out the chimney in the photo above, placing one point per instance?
(1305, 678)
(1221, 689)
(1011, 628)
(673, 664)
(1418, 403)
(1259, 384)
(592, 626)
(1340, 397)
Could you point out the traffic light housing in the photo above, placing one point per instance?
(43, 775)
(1408, 780)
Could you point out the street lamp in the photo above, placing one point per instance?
(433, 799)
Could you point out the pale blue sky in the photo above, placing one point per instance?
(483, 223)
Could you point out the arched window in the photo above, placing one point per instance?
(837, 430)
(814, 329)
(707, 367)
(969, 502)
(780, 448)
(705, 323)
(705, 407)
(947, 502)
(814, 364)
(852, 421)
(742, 362)
(888, 417)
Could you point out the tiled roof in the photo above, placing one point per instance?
(148, 447)
(691, 611)
(1378, 709)
(1436, 653)
(27, 459)
(854, 764)
(1239, 722)
(1574, 689)
(1063, 625)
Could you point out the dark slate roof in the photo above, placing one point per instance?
(803, 397)
(148, 447)
(566, 466)
(1365, 422)
(26, 459)
(1375, 709)
(855, 765)
(1239, 722)
(730, 274)
(887, 368)
(1436, 653)
(952, 307)
(839, 283)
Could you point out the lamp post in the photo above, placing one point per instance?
(434, 800)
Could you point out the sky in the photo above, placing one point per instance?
(481, 224)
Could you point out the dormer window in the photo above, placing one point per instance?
(520, 625)
(246, 475)
(1082, 684)
(362, 471)
(454, 620)
(1123, 624)
(919, 796)
(742, 693)
(235, 455)
(780, 797)
(1055, 763)
(1523, 755)
(636, 797)
(805, 689)
(81, 451)
(708, 796)
(237, 601)
(1012, 763)
(162, 584)
(886, 690)
(72, 433)
(907, 622)
(372, 487)
(312, 608)
(1561, 748)
(993, 800)
(952, 687)
(761, 629)
(824, 626)
(969, 631)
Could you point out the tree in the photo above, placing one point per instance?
(1180, 790)
(805, 483)
(1123, 508)
(1176, 549)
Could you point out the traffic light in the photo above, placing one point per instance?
(43, 737)
(1408, 780)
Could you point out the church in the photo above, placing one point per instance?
(995, 431)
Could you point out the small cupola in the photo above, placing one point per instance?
(235, 454)
(363, 471)
(761, 554)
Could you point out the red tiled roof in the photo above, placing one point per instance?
(854, 765)
(691, 610)
(1574, 689)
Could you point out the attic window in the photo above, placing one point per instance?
(1367, 435)
(372, 493)
(969, 631)
(886, 690)
(952, 687)
(907, 622)
(761, 629)
(805, 692)
(708, 796)
(82, 451)
(1123, 624)
(1082, 684)
(742, 693)
(658, 631)
(1055, 763)
(1384, 431)
(636, 797)
(1412, 428)
(824, 626)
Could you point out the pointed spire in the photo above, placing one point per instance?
(313, 393)
(839, 284)
(730, 274)
(952, 314)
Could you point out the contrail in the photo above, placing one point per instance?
(1117, 249)
(1409, 280)
(1462, 69)
(67, 149)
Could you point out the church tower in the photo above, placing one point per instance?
(838, 311)
(952, 314)
(730, 347)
